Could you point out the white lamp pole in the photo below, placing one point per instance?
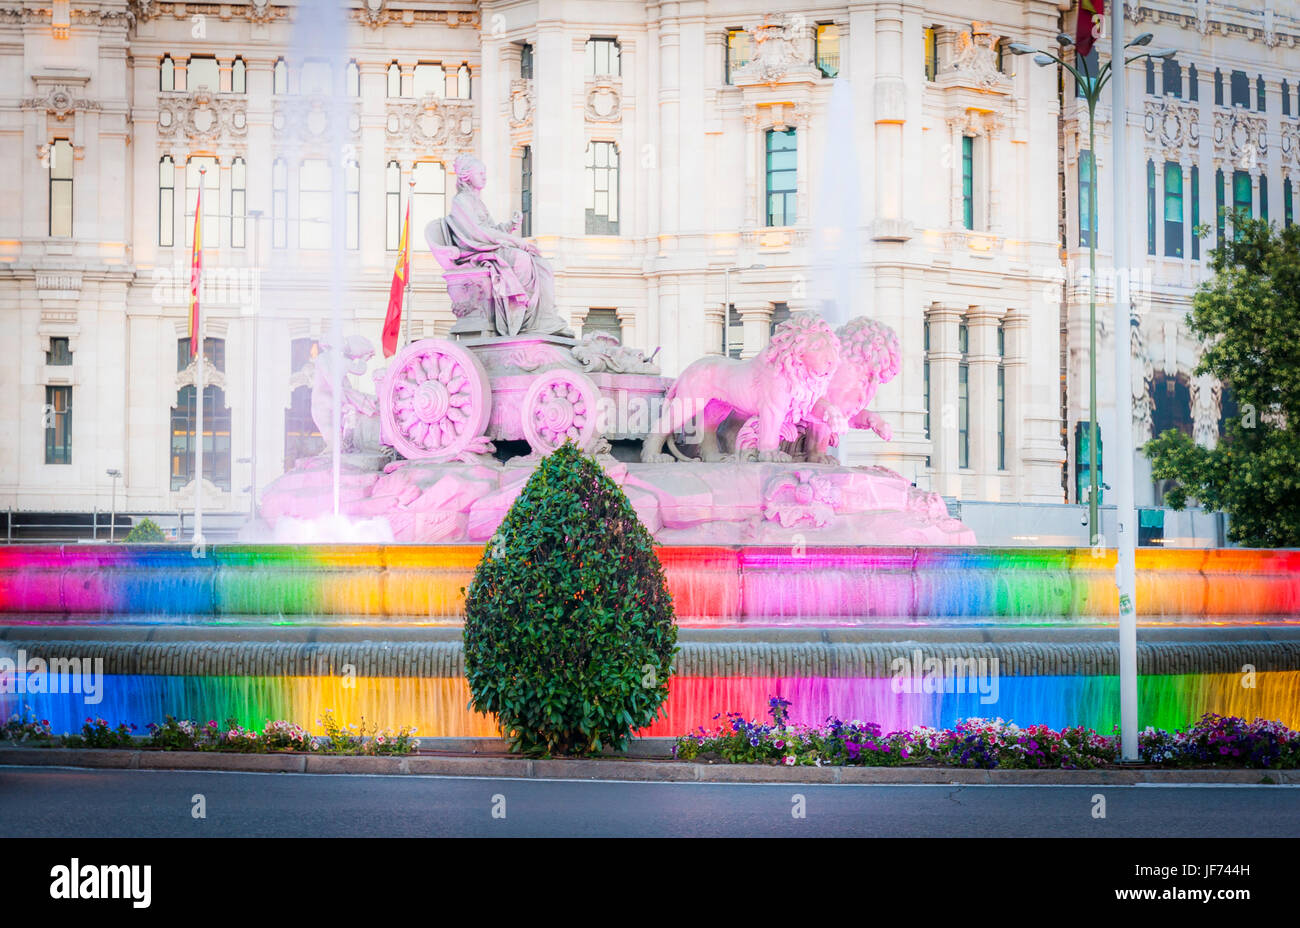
(112, 518)
(1125, 513)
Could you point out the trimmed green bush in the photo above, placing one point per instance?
(145, 531)
(569, 627)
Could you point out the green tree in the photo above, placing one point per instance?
(146, 531)
(569, 626)
(1248, 319)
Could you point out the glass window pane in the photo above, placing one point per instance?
(202, 72)
(238, 76)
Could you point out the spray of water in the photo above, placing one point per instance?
(836, 239)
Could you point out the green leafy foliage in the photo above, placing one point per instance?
(146, 531)
(569, 627)
(1248, 319)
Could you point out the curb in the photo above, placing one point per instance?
(618, 769)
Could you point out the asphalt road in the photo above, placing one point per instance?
(57, 802)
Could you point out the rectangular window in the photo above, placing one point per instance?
(1171, 78)
(737, 52)
(1288, 203)
(925, 376)
(238, 201)
(59, 355)
(166, 201)
(238, 76)
(782, 177)
(603, 320)
(828, 49)
(963, 400)
(1196, 212)
(430, 201)
(1087, 175)
(394, 80)
(393, 206)
(1151, 207)
(1220, 209)
(1263, 197)
(167, 73)
(1218, 87)
(1173, 209)
(526, 61)
(1193, 84)
(58, 425)
(603, 57)
(780, 313)
(602, 189)
(1151, 77)
(1261, 94)
(316, 78)
(216, 437)
(280, 77)
(203, 167)
(352, 205)
(201, 72)
(968, 181)
(430, 80)
(1242, 199)
(61, 158)
(931, 53)
(314, 203)
(279, 204)
(526, 191)
(734, 335)
(1240, 89)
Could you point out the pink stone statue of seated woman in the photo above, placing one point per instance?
(523, 284)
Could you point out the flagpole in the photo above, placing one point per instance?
(196, 273)
(406, 315)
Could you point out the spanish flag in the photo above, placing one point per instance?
(393, 321)
(1092, 14)
(196, 270)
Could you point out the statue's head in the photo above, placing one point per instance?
(470, 172)
(808, 340)
(872, 346)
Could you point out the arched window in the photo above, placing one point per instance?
(1261, 94)
(463, 82)
(1171, 78)
(603, 57)
(280, 77)
(353, 79)
(1171, 405)
(1218, 87)
(1193, 84)
(602, 188)
(1286, 98)
(394, 80)
(167, 74)
(238, 76)
(166, 201)
(301, 437)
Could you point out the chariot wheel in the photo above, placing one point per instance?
(436, 400)
(560, 405)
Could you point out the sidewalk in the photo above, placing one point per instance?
(618, 768)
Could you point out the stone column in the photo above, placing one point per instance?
(757, 320)
(982, 357)
(627, 321)
(944, 357)
(714, 320)
(1016, 331)
(890, 114)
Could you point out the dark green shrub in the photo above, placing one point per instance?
(569, 628)
(146, 531)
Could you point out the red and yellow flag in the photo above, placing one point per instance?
(393, 320)
(196, 270)
(1092, 16)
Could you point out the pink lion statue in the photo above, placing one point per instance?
(869, 357)
(775, 391)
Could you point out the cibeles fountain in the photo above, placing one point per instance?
(731, 452)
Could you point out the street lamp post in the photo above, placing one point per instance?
(1124, 574)
(257, 310)
(112, 518)
(726, 302)
(1091, 88)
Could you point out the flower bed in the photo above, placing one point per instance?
(1214, 741)
(188, 735)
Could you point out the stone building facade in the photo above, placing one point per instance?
(694, 170)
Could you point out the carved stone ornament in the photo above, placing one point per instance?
(1240, 134)
(373, 13)
(260, 11)
(604, 101)
(433, 122)
(1206, 395)
(976, 59)
(307, 119)
(1141, 376)
(1172, 127)
(59, 102)
(143, 10)
(522, 102)
(201, 116)
(776, 44)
